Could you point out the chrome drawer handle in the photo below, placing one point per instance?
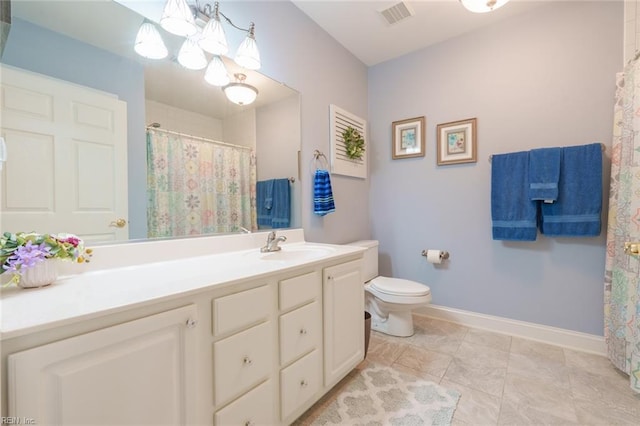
(191, 323)
(247, 361)
(248, 423)
(304, 383)
(303, 331)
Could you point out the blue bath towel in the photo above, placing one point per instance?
(322, 193)
(577, 211)
(281, 204)
(513, 214)
(544, 173)
(263, 189)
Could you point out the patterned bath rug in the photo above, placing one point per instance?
(382, 396)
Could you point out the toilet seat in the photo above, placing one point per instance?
(397, 290)
(399, 287)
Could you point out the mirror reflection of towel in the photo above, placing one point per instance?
(273, 203)
(281, 204)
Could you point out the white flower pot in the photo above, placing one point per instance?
(42, 274)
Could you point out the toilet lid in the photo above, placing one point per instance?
(399, 287)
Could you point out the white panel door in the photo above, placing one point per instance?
(141, 372)
(343, 297)
(66, 168)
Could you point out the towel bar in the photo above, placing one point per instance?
(603, 146)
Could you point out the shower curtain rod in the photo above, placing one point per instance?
(200, 138)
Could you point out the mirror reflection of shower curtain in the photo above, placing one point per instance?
(198, 187)
(622, 280)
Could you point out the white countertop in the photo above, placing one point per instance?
(97, 292)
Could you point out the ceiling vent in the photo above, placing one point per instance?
(397, 13)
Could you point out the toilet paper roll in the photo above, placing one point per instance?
(434, 256)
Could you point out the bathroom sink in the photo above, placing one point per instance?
(293, 253)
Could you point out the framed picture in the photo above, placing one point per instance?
(408, 138)
(457, 142)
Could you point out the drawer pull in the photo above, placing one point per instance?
(247, 361)
(304, 383)
(303, 331)
(249, 423)
(191, 323)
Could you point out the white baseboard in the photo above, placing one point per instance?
(526, 330)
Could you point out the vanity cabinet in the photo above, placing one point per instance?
(243, 357)
(343, 319)
(138, 372)
(259, 351)
(300, 331)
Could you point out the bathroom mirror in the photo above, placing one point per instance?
(154, 91)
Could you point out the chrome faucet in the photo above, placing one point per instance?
(272, 243)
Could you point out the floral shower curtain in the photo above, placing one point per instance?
(622, 275)
(198, 187)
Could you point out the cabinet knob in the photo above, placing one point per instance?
(248, 423)
(304, 383)
(191, 323)
(303, 331)
(247, 361)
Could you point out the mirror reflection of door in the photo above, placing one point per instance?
(66, 167)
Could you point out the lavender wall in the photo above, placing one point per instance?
(295, 50)
(545, 78)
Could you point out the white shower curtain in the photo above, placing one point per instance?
(622, 275)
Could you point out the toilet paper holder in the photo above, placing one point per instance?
(443, 255)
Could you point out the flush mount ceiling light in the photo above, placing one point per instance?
(240, 92)
(482, 6)
(183, 18)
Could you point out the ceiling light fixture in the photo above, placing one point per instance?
(181, 17)
(483, 6)
(240, 92)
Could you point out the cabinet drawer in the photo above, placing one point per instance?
(299, 382)
(254, 408)
(299, 332)
(242, 361)
(298, 290)
(241, 309)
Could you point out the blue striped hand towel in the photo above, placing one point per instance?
(322, 193)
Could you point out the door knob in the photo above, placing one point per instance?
(120, 223)
(632, 249)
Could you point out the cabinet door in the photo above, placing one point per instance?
(135, 373)
(343, 297)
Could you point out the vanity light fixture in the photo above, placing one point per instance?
(177, 18)
(240, 92)
(191, 55)
(482, 6)
(182, 18)
(216, 74)
(148, 43)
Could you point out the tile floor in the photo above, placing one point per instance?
(506, 380)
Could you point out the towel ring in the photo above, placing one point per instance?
(318, 159)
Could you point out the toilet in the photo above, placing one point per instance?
(390, 300)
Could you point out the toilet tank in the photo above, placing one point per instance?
(370, 258)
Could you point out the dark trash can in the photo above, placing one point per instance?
(367, 331)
